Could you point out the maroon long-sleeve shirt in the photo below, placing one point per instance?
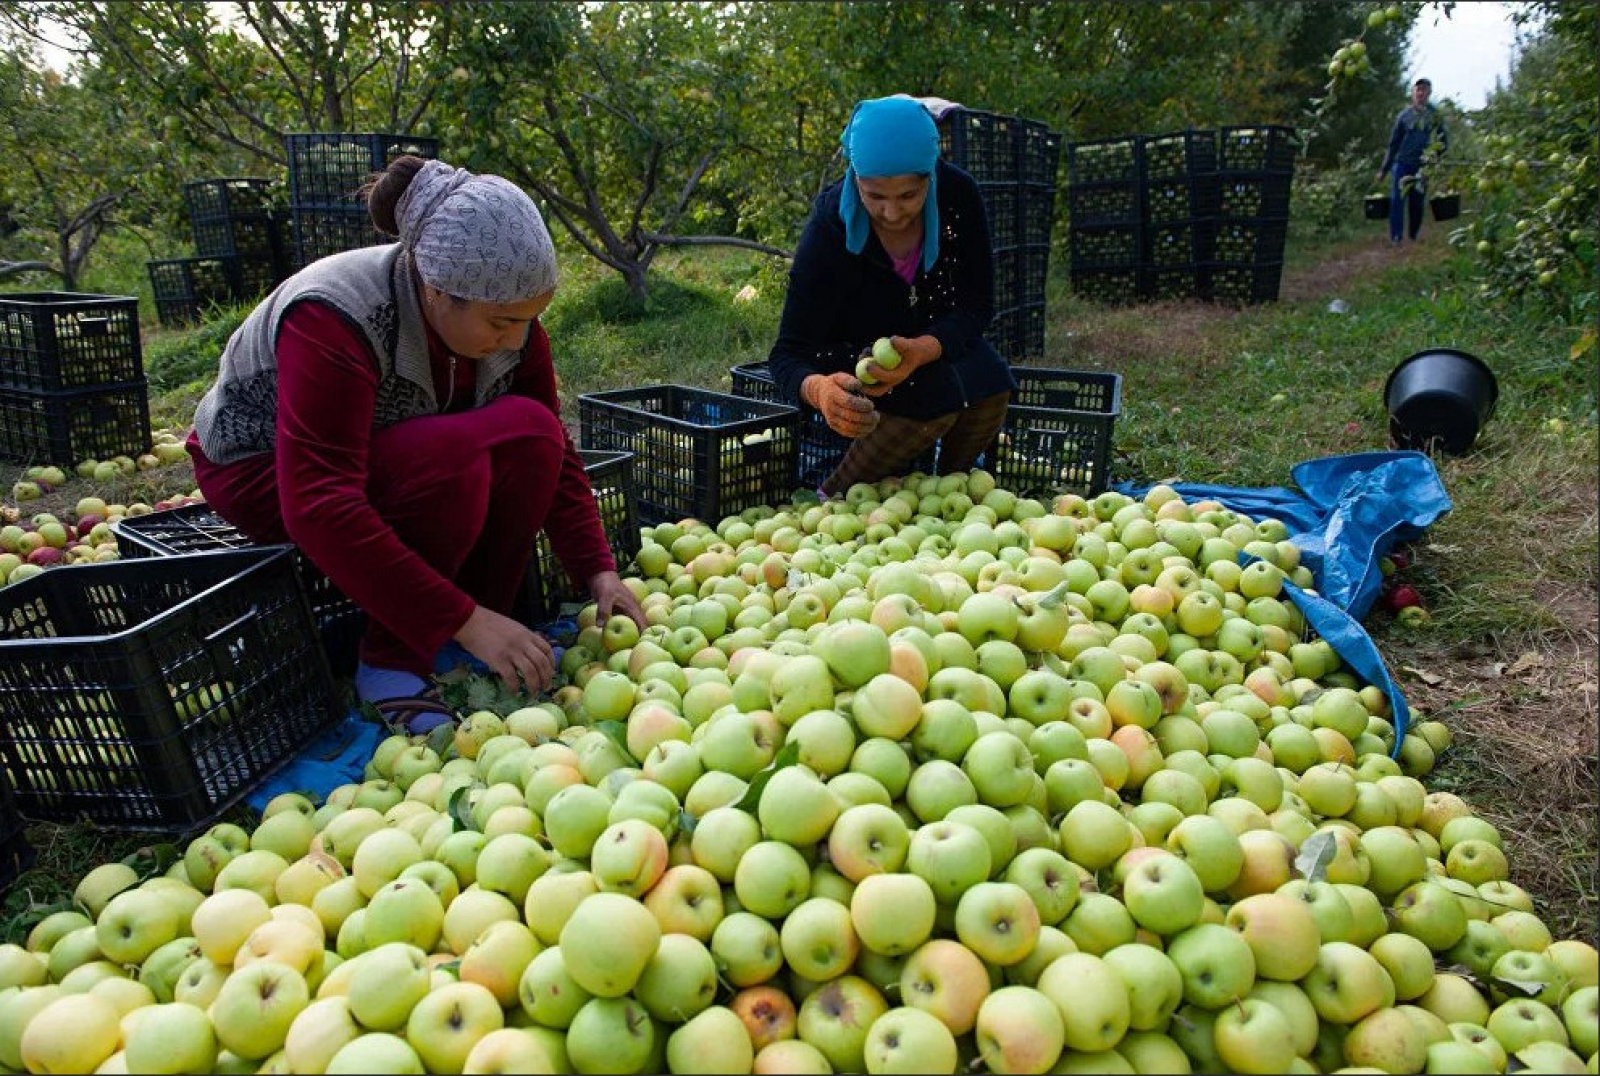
(327, 385)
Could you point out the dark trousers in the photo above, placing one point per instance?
(1409, 203)
(895, 442)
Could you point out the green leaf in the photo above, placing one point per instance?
(461, 808)
(152, 860)
(788, 756)
(1524, 987)
(442, 739)
(686, 822)
(1316, 853)
(616, 732)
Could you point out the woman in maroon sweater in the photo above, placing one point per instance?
(392, 411)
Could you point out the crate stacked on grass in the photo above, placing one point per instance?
(72, 383)
(1179, 205)
(154, 694)
(1105, 240)
(697, 453)
(326, 172)
(1057, 432)
(819, 449)
(16, 854)
(1255, 173)
(196, 528)
(546, 587)
(1015, 161)
(240, 250)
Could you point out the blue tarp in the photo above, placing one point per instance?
(1348, 513)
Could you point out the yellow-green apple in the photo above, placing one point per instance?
(497, 959)
(1431, 913)
(1281, 931)
(836, 1017)
(607, 941)
(1580, 1012)
(722, 837)
(1409, 963)
(320, 1031)
(447, 1023)
(1163, 894)
(796, 807)
(628, 858)
(998, 921)
(1476, 861)
(574, 818)
(1071, 781)
(547, 994)
(948, 980)
(713, 1040)
(893, 913)
(135, 923)
(253, 1010)
(95, 890)
(291, 942)
(1151, 981)
(1210, 848)
(826, 739)
(951, 857)
(1049, 880)
(1216, 963)
(1292, 1002)
(387, 985)
(1519, 973)
(686, 900)
(225, 919)
(169, 1038)
(1254, 1036)
(1019, 1029)
(747, 948)
(70, 1033)
(818, 939)
(1094, 835)
(612, 1035)
(404, 910)
(1523, 1021)
(772, 878)
(1098, 923)
(1386, 1040)
(1396, 859)
(1347, 983)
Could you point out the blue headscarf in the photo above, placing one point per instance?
(889, 136)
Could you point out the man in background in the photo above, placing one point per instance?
(1418, 139)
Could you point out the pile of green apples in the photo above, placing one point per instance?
(925, 778)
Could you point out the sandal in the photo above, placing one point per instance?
(414, 715)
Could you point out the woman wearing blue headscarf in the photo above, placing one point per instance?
(897, 249)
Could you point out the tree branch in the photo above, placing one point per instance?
(688, 189)
(271, 46)
(10, 269)
(558, 204)
(714, 241)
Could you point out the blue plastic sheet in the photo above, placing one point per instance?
(1347, 514)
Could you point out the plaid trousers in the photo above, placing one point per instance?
(895, 442)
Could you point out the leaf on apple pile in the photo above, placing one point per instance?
(686, 822)
(1529, 989)
(153, 859)
(442, 739)
(617, 732)
(1316, 852)
(1431, 679)
(787, 756)
(461, 808)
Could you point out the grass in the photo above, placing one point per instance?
(1511, 570)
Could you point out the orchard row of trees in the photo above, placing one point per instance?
(639, 125)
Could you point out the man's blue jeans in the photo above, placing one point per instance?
(1411, 202)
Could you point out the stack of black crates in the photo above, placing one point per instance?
(1014, 161)
(326, 173)
(72, 383)
(241, 246)
(1194, 214)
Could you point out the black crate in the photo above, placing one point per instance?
(1171, 281)
(820, 448)
(1254, 194)
(1039, 151)
(320, 232)
(1179, 154)
(1261, 148)
(1181, 198)
(1222, 282)
(1018, 333)
(196, 528)
(1000, 205)
(1057, 432)
(983, 144)
(1185, 242)
(326, 170)
(259, 236)
(16, 854)
(1249, 240)
(220, 199)
(1034, 274)
(154, 694)
(52, 340)
(1111, 284)
(1107, 245)
(185, 289)
(68, 427)
(546, 586)
(1037, 211)
(1104, 203)
(1007, 266)
(697, 453)
(1106, 160)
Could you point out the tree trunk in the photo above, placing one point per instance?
(636, 273)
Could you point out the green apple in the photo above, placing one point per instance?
(387, 984)
(607, 942)
(169, 1038)
(818, 939)
(998, 921)
(893, 913)
(376, 1051)
(946, 979)
(836, 1017)
(449, 1021)
(1347, 983)
(1523, 1021)
(1254, 1036)
(1163, 894)
(1282, 933)
(70, 1033)
(255, 1007)
(133, 924)
(1020, 1029)
(1217, 964)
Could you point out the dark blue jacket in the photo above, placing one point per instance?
(1413, 133)
(839, 303)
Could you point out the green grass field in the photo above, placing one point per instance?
(1235, 397)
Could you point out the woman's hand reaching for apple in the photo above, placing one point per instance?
(914, 352)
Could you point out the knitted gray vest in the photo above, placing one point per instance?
(373, 289)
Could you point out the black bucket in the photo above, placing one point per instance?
(1439, 398)
(1445, 206)
(1376, 206)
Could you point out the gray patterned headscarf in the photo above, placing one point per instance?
(475, 237)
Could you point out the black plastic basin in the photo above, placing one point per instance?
(1439, 399)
